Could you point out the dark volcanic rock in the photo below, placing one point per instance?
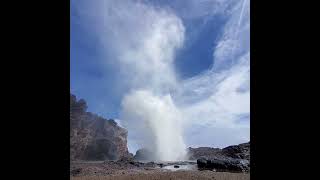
(203, 152)
(144, 154)
(231, 158)
(241, 151)
(224, 164)
(75, 171)
(93, 137)
(202, 162)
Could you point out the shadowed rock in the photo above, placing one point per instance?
(241, 151)
(93, 137)
(224, 164)
(144, 154)
(231, 158)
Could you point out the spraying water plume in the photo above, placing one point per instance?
(159, 118)
(145, 56)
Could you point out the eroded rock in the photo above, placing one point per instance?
(93, 137)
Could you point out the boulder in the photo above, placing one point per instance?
(144, 154)
(202, 162)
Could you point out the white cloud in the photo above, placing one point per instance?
(235, 41)
(215, 99)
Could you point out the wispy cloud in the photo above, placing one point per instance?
(216, 99)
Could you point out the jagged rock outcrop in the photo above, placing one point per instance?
(93, 137)
(231, 158)
(203, 152)
(241, 151)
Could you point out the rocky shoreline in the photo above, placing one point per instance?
(133, 170)
(234, 158)
(98, 148)
(129, 166)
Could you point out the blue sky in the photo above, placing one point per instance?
(207, 73)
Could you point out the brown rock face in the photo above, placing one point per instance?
(93, 137)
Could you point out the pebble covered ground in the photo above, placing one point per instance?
(124, 170)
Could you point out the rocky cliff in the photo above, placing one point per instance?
(93, 137)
